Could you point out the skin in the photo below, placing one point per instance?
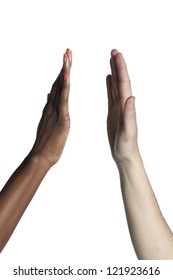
(52, 134)
(151, 236)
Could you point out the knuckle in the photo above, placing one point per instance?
(65, 121)
(63, 100)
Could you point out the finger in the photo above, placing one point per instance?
(63, 108)
(114, 114)
(113, 64)
(113, 105)
(122, 68)
(129, 117)
(67, 66)
(123, 79)
(114, 73)
(62, 104)
(111, 113)
(69, 55)
(109, 92)
(57, 85)
(114, 52)
(115, 89)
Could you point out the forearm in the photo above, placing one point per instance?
(17, 193)
(150, 234)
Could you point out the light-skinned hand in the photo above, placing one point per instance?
(121, 120)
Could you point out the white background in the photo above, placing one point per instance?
(77, 217)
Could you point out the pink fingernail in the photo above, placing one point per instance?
(68, 52)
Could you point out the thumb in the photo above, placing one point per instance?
(129, 117)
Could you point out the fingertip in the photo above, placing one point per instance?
(108, 80)
(68, 52)
(64, 58)
(114, 52)
(67, 65)
(69, 56)
(120, 60)
(108, 76)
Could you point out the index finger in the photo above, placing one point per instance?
(124, 85)
(123, 76)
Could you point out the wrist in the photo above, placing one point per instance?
(128, 163)
(38, 160)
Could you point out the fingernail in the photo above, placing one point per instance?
(66, 75)
(68, 52)
(64, 58)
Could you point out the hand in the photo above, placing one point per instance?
(54, 125)
(121, 120)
